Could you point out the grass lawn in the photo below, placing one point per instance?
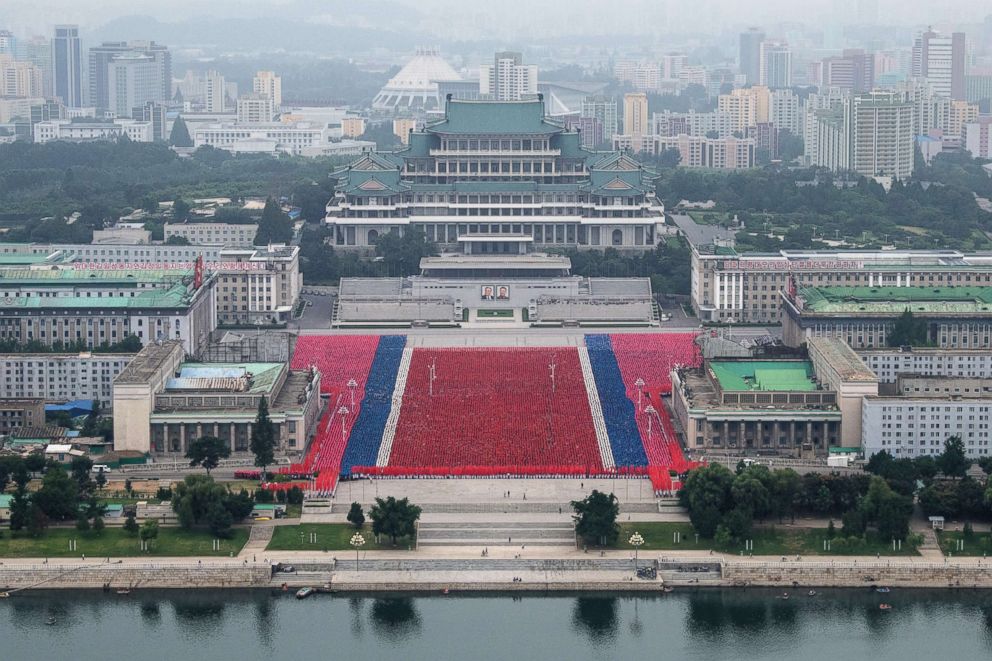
(116, 542)
(660, 536)
(330, 537)
(980, 543)
(767, 541)
(484, 314)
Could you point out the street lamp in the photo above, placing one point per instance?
(551, 366)
(635, 540)
(358, 542)
(352, 384)
(343, 411)
(650, 410)
(432, 368)
(640, 384)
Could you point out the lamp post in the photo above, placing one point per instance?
(635, 540)
(343, 411)
(640, 384)
(352, 384)
(358, 542)
(650, 410)
(551, 366)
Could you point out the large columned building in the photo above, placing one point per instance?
(497, 168)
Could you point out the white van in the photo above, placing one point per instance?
(100, 467)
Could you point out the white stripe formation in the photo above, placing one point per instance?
(596, 408)
(389, 433)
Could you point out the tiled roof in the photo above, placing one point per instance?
(506, 117)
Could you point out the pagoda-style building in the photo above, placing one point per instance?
(503, 177)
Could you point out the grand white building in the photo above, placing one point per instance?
(497, 168)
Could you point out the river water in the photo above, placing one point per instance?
(701, 624)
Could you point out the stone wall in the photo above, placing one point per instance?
(851, 573)
(116, 574)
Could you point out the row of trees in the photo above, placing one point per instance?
(724, 505)
(806, 201)
(391, 517)
(63, 495)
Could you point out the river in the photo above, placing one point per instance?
(700, 624)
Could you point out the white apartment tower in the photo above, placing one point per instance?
(215, 92)
(507, 78)
(775, 62)
(270, 85)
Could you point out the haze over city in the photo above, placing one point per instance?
(459, 329)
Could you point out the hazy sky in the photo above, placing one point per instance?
(557, 17)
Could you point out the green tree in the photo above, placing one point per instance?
(179, 137)
(82, 523)
(356, 516)
(401, 255)
(219, 520)
(786, 486)
(176, 240)
(58, 496)
(98, 526)
(596, 518)
(149, 531)
(37, 520)
(395, 518)
(207, 451)
(275, 226)
(953, 461)
(263, 440)
(130, 524)
(705, 494)
(180, 210)
(908, 330)
(985, 463)
(20, 503)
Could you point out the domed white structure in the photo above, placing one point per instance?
(415, 86)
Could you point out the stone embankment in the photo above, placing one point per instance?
(853, 573)
(413, 573)
(116, 574)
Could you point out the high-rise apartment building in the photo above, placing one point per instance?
(19, 79)
(750, 55)
(507, 78)
(154, 113)
(746, 106)
(784, 111)
(853, 70)
(604, 110)
(159, 58)
(940, 59)
(635, 114)
(255, 109)
(67, 65)
(775, 64)
(133, 79)
(880, 134)
(8, 44)
(38, 51)
(269, 84)
(215, 92)
(978, 137)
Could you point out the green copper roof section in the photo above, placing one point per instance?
(764, 375)
(895, 300)
(176, 296)
(495, 117)
(80, 276)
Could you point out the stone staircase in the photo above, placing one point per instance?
(501, 533)
(259, 537)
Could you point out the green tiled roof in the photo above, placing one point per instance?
(895, 300)
(176, 296)
(764, 375)
(505, 117)
(70, 275)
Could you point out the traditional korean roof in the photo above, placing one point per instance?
(495, 117)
